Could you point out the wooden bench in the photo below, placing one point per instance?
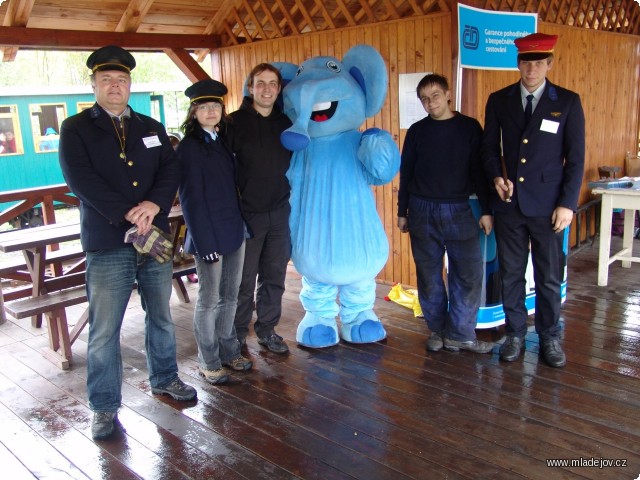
(186, 267)
(17, 269)
(53, 306)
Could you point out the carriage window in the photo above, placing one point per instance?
(84, 105)
(45, 123)
(10, 136)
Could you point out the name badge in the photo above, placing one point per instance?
(152, 141)
(549, 126)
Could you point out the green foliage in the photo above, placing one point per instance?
(38, 68)
(53, 68)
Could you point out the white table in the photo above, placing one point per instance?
(629, 200)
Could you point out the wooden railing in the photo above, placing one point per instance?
(587, 224)
(29, 198)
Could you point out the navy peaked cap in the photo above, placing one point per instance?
(111, 57)
(206, 91)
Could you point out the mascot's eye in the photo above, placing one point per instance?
(300, 69)
(333, 66)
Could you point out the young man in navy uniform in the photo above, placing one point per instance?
(539, 129)
(122, 167)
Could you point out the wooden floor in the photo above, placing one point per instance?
(383, 411)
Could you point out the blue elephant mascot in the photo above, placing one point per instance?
(338, 241)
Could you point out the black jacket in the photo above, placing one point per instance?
(208, 196)
(107, 186)
(544, 159)
(261, 160)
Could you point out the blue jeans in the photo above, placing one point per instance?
(110, 278)
(218, 285)
(434, 228)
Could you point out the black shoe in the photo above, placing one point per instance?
(511, 348)
(102, 424)
(475, 346)
(178, 390)
(274, 343)
(552, 353)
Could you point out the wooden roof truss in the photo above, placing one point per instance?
(621, 16)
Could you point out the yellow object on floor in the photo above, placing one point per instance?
(407, 297)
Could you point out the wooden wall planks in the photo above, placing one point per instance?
(604, 68)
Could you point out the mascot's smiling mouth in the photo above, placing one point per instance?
(323, 111)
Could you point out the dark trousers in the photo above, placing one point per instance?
(434, 228)
(265, 265)
(514, 233)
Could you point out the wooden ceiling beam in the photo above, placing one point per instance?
(366, 8)
(599, 12)
(215, 23)
(187, 64)
(241, 24)
(17, 15)
(287, 15)
(272, 21)
(232, 36)
(51, 39)
(580, 14)
(307, 17)
(634, 20)
(345, 12)
(325, 14)
(416, 8)
(620, 16)
(254, 19)
(566, 6)
(133, 15)
(391, 9)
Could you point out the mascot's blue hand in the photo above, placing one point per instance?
(380, 156)
(371, 131)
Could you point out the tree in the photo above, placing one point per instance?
(55, 68)
(38, 68)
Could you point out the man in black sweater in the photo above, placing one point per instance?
(262, 163)
(440, 169)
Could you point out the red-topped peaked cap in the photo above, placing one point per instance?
(535, 46)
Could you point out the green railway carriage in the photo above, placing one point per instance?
(29, 132)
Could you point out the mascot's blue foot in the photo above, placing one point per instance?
(317, 332)
(366, 328)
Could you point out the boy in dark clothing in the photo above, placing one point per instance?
(440, 168)
(262, 162)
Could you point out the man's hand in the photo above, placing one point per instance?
(486, 223)
(403, 224)
(142, 216)
(505, 190)
(561, 218)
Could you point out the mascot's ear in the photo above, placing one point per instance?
(367, 66)
(288, 72)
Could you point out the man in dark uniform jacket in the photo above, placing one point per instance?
(539, 127)
(122, 167)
